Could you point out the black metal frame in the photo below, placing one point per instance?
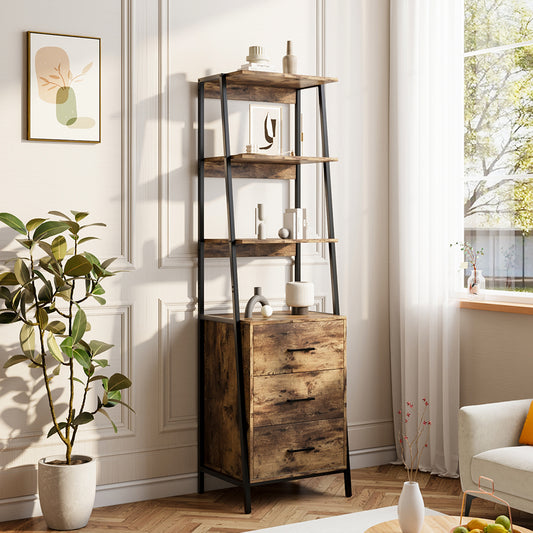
(243, 428)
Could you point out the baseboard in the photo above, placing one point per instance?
(372, 457)
(149, 489)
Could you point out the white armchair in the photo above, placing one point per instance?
(488, 446)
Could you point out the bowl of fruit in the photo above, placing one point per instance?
(502, 524)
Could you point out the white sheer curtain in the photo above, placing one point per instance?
(426, 168)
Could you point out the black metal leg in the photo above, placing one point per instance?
(201, 482)
(241, 410)
(468, 504)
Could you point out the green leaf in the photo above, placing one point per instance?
(107, 262)
(83, 418)
(47, 248)
(79, 215)
(92, 258)
(78, 265)
(98, 289)
(49, 228)
(101, 362)
(27, 340)
(85, 239)
(27, 243)
(98, 347)
(79, 381)
(53, 430)
(45, 293)
(116, 400)
(101, 224)
(109, 418)
(59, 214)
(8, 278)
(96, 378)
(13, 222)
(21, 272)
(66, 347)
(15, 359)
(33, 223)
(79, 326)
(7, 317)
(59, 247)
(118, 382)
(99, 299)
(5, 294)
(83, 358)
(56, 327)
(57, 370)
(54, 348)
(42, 318)
(111, 397)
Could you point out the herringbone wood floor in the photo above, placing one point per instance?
(272, 505)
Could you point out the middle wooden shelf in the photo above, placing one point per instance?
(260, 166)
(257, 247)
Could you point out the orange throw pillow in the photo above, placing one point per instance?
(526, 437)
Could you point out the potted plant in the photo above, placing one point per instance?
(45, 290)
(476, 280)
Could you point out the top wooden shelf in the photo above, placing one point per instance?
(262, 86)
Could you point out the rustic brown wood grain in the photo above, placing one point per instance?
(298, 346)
(275, 452)
(286, 398)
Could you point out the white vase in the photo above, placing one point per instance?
(66, 492)
(411, 508)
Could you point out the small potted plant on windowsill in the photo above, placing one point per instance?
(45, 290)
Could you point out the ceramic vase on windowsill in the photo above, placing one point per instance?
(476, 285)
(411, 508)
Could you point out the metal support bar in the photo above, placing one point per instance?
(235, 294)
(298, 180)
(332, 251)
(329, 202)
(201, 283)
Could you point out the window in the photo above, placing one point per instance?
(498, 140)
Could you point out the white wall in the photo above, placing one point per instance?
(141, 181)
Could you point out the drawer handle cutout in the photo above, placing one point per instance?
(308, 449)
(307, 350)
(309, 399)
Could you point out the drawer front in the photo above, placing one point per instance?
(298, 346)
(298, 449)
(297, 397)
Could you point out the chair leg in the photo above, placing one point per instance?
(468, 503)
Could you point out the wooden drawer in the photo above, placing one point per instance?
(280, 348)
(298, 449)
(287, 398)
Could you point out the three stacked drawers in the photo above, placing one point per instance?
(294, 372)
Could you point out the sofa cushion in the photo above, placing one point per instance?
(511, 469)
(526, 437)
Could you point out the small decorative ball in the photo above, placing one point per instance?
(266, 310)
(283, 233)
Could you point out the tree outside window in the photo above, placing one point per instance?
(498, 139)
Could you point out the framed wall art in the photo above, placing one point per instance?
(64, 89)
(265, 128)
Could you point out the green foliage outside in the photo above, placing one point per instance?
(499, 112)
(44, 291)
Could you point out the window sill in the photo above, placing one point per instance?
(501, 307)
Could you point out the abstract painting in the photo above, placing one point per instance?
(63, 88)
(265, 129)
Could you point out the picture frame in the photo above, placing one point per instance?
(64, 87)
(266, 128)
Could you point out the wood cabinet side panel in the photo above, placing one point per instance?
(222, 441)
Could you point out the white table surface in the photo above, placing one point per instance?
(346, 523)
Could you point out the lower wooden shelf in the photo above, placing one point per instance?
(257, 248)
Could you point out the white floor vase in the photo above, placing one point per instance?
(66, 492)
(411, 508)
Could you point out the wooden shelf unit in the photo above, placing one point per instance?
(260, 165)
(244, 436)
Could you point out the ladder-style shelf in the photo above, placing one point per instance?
(285, 89)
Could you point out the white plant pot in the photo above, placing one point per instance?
(66, 492)
(411, 508)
